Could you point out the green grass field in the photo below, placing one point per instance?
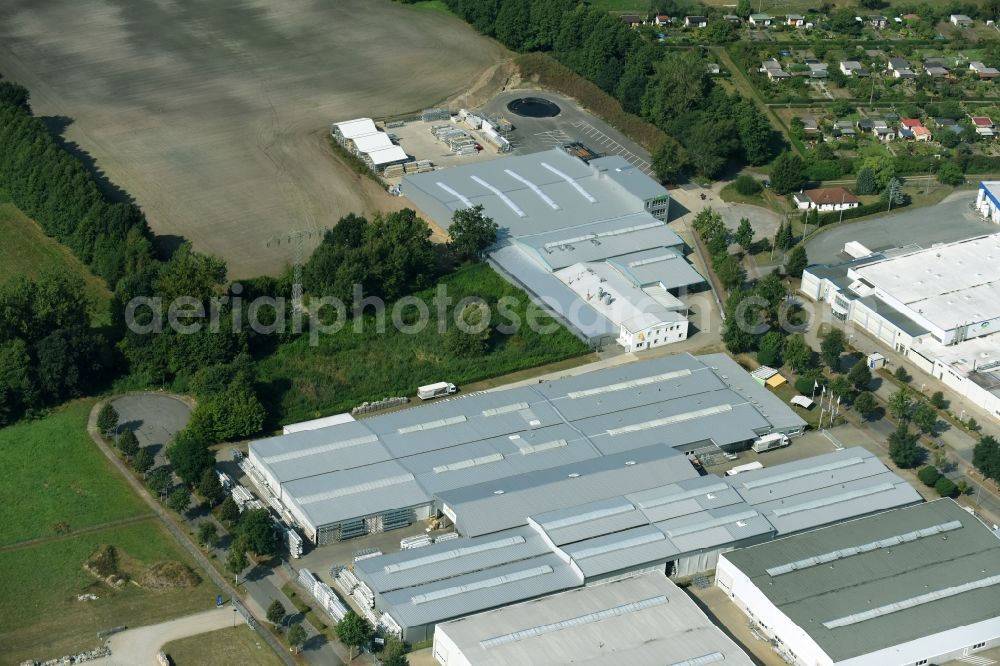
(40, 615)
(27, 251)
(53, 473)
(235, 646)
(347, 368)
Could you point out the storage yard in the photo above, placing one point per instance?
(216, 120)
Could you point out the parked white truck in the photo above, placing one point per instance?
(435, 390)
(775, 440)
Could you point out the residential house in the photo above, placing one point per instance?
(826, 199)
(961, 20)
(911, 123)
(695, 21)
(761, 20)
(900, 68)
(795, 20)
(773, 69)
(922, 134)
(810, 128)
(935, 72)
(884, 133)
(985, 73)
(905, 133)
(632, 20)
(877, 21)
(732, 18)
(984, 126)
(817, 70)
(661, 20)
(844, 128)
(866, 125)
(852, 68)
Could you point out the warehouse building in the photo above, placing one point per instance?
(939, 307)
(589, 240)
(916, 585)
(640, 620)
(387, 471)
(988, 200)
(637, 512)
(362, 138)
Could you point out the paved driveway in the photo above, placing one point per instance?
(951, 220)
(154, 418)
(140, 645)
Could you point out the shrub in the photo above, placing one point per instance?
(929, 475)
(747, 185)
(902, 375)
(938, 400)
(804, 385)
(945, 487)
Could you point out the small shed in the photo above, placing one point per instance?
(762, 374)
(876, 361)
(802, 401)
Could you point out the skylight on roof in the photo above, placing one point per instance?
(496, 581)
(431, 425)
(322, 448)
(454, 193)
(588, 516)
(851, 551)
(912, 602)
(807, 471)
(579, 188)
(835, 499)
(528, 449)
(453, 554)
(630, 384)
(503, 197)
(589, 618)
(506, 409)
(615, 546)
(711, 524)
(537, 190)
(353, 490)
(670, 420)
(687, 494)
(470, 462)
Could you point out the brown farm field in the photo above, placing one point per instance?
(213, 115)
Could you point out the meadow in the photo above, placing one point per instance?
(234, 646)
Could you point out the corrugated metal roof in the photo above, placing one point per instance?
(813, 596)
(557, 629)
(666, 267)
(416, 606)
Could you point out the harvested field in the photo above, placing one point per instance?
(214, 115)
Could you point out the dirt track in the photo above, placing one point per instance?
(213, 115)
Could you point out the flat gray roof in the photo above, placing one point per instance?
(599, 240)
(534, 193)
(355, 469)
(893, 316)
(643, 621)
(824, 597)
(665, 267)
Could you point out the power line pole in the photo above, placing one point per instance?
(298, 239)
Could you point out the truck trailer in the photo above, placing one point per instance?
(435, 390)
(775, 440)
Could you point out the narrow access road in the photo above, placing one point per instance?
(140, 645)
(181, 538)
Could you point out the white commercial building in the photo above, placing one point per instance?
(363, 138)
(642, 620)
(917, 585)
(988, 200)
(939, 306)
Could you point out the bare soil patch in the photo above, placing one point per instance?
(213, 115)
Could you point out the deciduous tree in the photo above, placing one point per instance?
(472, 232)
(353, 631)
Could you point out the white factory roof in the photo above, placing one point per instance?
(372, 142)
(351, 129)
(316, 424)
(641, 621)
(387, 155)
(629, 305)
(949, 285)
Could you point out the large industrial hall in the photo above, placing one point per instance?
(918, 585)
(938, 306)
(390, 470)
(587, 239)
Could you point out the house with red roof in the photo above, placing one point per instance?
(922, 134)
(911, 122)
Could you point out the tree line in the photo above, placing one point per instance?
(706, 127)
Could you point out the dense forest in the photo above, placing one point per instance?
(706, 127)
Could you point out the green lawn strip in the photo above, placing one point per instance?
(300, 381)
(233, 646)
(40, 615)
(27, 251)
(55, 478)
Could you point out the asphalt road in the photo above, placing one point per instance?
(532, 135)
(948, 221)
